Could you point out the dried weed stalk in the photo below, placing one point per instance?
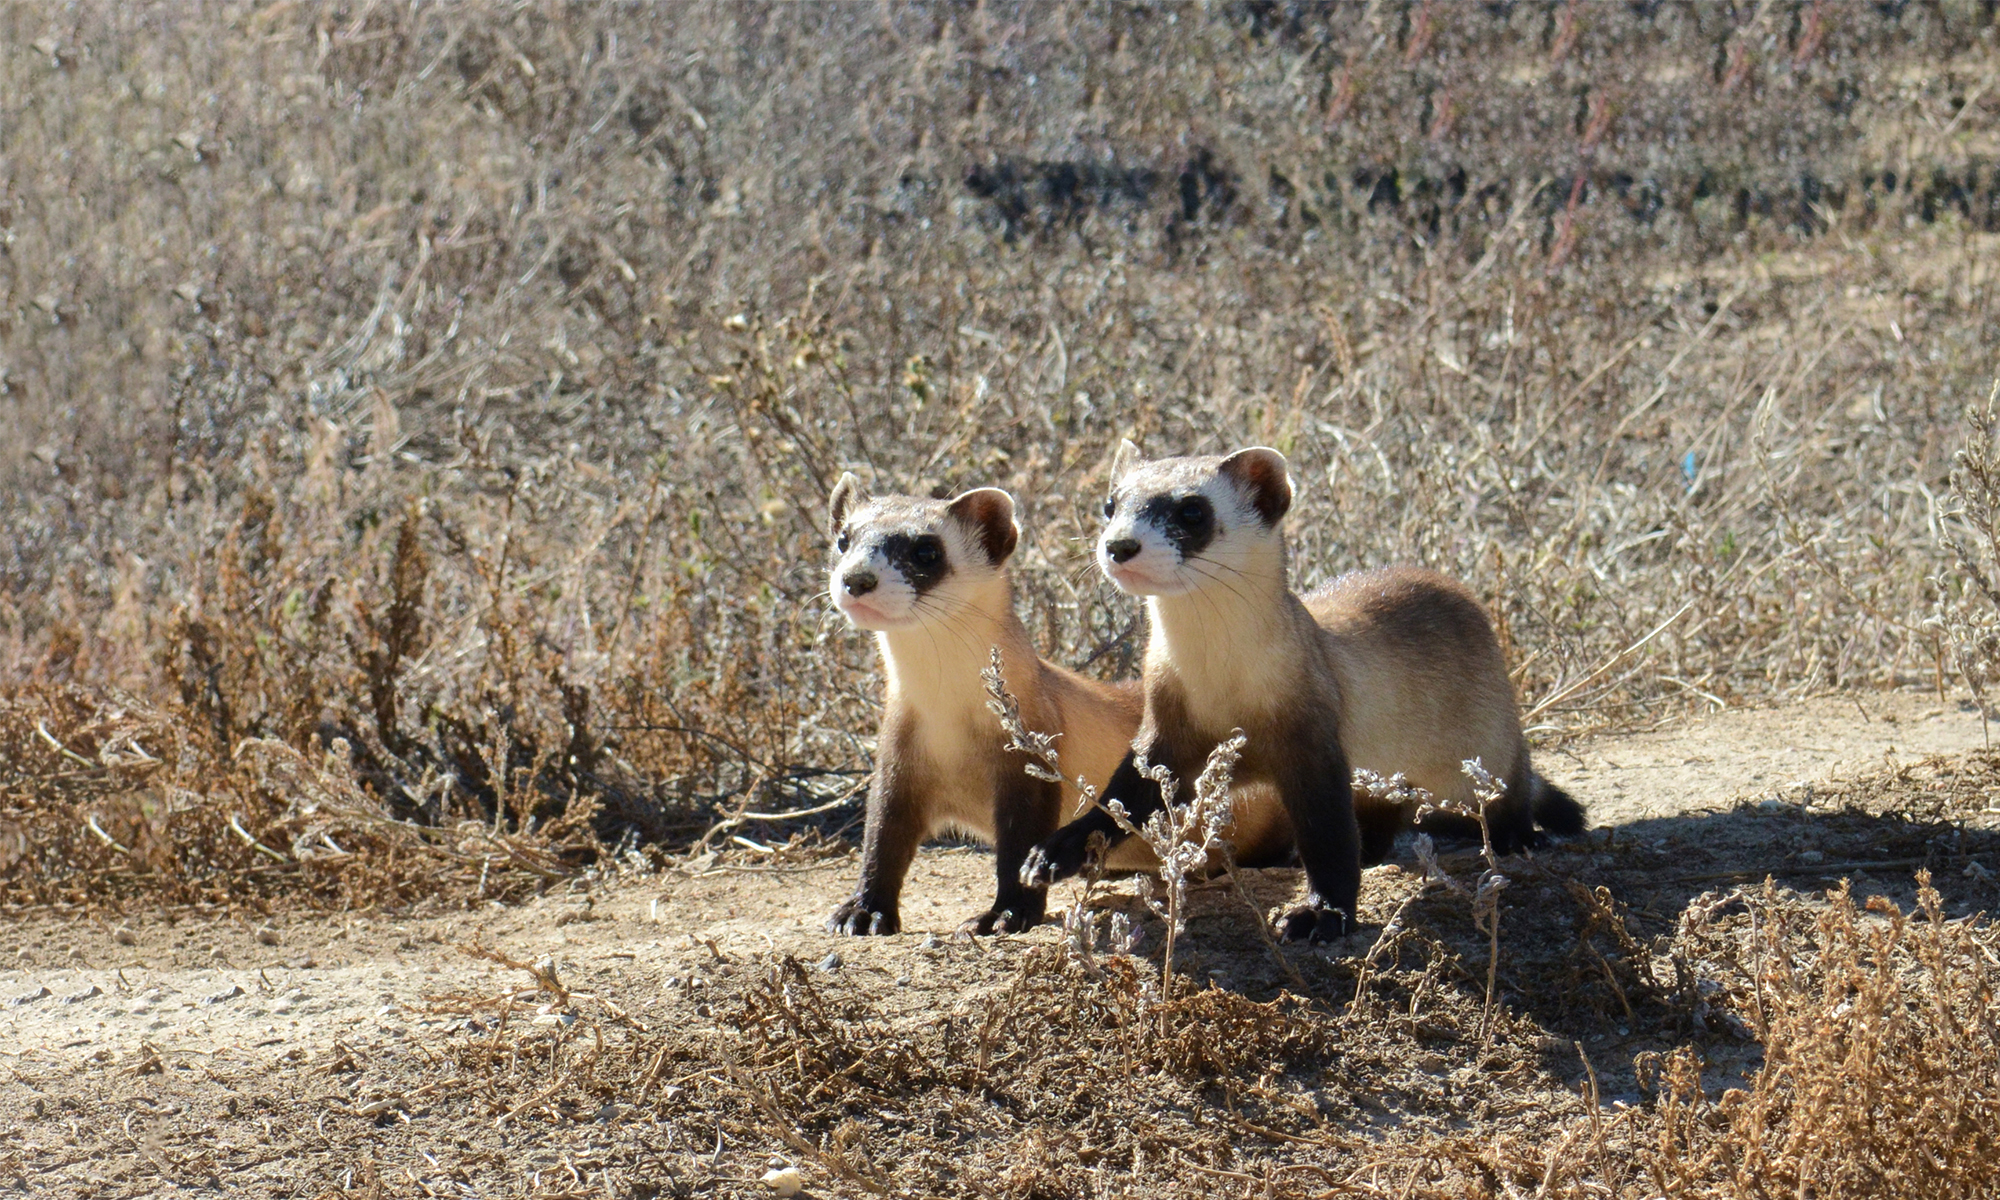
(1967, 608)
(1187, 838)
(1396, 791)
(1485, 896)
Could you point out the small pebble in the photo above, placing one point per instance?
(124, 936)
(784, 1180)
(830, 963)
(219, 997)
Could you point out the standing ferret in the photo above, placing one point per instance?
(929, 579)
(1394, 670)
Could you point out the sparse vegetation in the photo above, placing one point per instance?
(414, 424)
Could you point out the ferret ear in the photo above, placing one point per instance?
(989, 512)
(1128, 456)
(1262, 474)
(847, 496)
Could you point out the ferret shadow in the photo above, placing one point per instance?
(1585, 922)
(1587, 926)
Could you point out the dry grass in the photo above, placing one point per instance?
(108, 803)
(1876, 1029)
(417, 420)
(465, 383)
(1881, 1046)
(1655, 1035)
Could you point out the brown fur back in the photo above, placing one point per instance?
(1423, 685)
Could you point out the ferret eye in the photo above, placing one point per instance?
(1192, 512)
(1111, 508)
(840, 543)
(927, 554)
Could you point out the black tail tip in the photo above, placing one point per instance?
(1556, 810)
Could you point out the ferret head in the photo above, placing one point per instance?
(1177, 524)
(901, 562)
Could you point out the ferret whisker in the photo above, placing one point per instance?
(1200, 567)
(949, 619)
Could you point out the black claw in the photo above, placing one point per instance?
(1314, 923)
(857, 918)
(1054, 861)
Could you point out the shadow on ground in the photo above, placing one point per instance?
(1628, 939)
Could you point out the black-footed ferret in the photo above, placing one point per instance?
(1391, 670)
(929, 578)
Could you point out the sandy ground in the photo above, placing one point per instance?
(220, 987)
(1729, 756)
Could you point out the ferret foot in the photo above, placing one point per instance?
(1314, 921)
(1001, 920)
(857, 918)
(1062, 856)
(1512, 842)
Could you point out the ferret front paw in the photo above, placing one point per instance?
(857, 918)
(1015, 918)
(1314, 921)
(1055, 860)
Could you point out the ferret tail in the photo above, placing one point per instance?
(1556, 810)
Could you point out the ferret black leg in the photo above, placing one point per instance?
(1319, 796)
(1025, 812)
(1380, 823)
(1063, 854)
(895, 827)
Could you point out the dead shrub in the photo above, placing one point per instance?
(1881, 1050)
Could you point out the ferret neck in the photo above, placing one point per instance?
(935, 667)
(1225, 635)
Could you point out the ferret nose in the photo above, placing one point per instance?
(1122, 549)
(859, 583)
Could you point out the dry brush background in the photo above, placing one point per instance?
(418, 419)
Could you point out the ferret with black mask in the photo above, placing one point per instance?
(1394, 670)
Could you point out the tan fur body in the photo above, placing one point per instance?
(935, 719)
(1402, 660)
(1419, 678)
(930, 579)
